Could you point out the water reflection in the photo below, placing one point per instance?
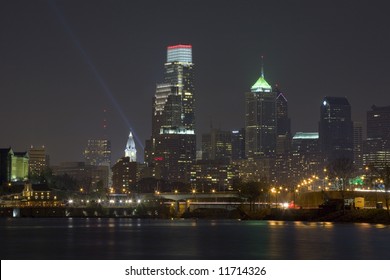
(276, 223)
(380, 226)
(101, 238)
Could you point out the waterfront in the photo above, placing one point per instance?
(109, 238)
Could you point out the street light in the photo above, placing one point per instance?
(194, 193)
(274, 191)
(277, 192)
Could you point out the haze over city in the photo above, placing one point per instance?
(64, 62)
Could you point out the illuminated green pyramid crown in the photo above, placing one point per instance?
(261, 84)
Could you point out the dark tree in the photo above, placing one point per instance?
(341, 170)
(382, 172)
(253, 190)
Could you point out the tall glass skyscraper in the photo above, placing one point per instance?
(336, 128)
(378, 122)
(283, 127)
(179, 72)
(172, 147)
(376, 149)
(260, 120)
(283, 120)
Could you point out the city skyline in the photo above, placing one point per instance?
(51, 96)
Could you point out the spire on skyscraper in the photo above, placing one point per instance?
(261, 84)
(130, 150)
(262, 66)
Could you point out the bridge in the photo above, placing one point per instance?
(178, 196)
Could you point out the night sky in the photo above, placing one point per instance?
(62, 63)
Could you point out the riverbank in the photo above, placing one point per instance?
(377, 216)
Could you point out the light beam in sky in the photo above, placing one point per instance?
(93, 69)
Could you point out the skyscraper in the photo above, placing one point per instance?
(358, 145)
(97, 156)
(283, 120)
(217, 145)
(378, 122)
(179, 71)
(376, 150)
(260, 120)
(306, 158)
(174, 102)
(283, 127)
(238, 144)
(172, 147)
(98, 152)
(336, 128)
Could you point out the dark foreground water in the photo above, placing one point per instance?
(100, 238)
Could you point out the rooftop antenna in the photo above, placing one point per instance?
(105, 123)
(262, 66)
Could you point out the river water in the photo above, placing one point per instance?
(119, 239)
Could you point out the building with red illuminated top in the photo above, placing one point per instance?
(172, 148)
